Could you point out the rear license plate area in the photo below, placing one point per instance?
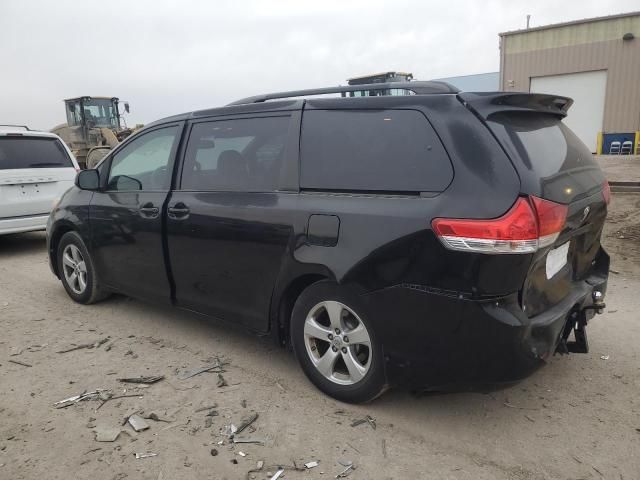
(556, 260)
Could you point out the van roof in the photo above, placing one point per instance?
(417, 87)
(259, 102)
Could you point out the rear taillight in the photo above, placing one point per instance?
(551, 218)
(606, 192)
(531, 223)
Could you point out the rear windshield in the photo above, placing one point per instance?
(29, 152)
(544, 148)
(372, 150)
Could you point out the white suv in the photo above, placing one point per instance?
(36, 168)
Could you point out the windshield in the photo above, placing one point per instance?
(100, 113)
(29, 152)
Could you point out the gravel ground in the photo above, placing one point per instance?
(578, 418)
(620, 168)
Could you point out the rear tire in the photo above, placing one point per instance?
(77, 272)
(336, 345)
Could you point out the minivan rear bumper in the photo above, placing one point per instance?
(442, 342)
(23, 224)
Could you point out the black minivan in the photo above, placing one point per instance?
(433, 239)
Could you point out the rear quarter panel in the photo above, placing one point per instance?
(385, 240)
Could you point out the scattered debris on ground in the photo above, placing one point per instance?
(278, 474)
(144, 380)
(349, 467)
(154, 416)
(137, 422)
(245, 422)
(256, 440)
(95, 344)
(215, 367)
(368, 419)
(18, 362)
(210, 407)
(145, 455)
(107, 434)
(221, 381)
(95, 394)
(229, 430)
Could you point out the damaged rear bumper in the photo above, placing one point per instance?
(445, 342)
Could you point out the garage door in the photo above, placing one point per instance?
(587, 90)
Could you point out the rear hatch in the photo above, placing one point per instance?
(34, 171)
(554, 165)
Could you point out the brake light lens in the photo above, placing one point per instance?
(530, 224)
(606, 192)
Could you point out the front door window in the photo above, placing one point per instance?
(144, 164)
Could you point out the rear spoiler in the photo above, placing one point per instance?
(489, 103)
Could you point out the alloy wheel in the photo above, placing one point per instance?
(75, 269)
(337, 342)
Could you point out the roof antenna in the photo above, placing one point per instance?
(528, 18)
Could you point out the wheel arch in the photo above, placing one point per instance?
(54, 242)
(281, 316)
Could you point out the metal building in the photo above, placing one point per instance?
(595, 61)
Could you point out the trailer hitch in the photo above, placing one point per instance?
(577, 322)
(598, 303)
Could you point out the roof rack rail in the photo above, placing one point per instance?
(417, 87)
(17, 126)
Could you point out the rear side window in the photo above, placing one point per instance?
(372, 150)
(236, 155)
(30, 152)
(549, 150)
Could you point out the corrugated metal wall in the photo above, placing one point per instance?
(581, 48)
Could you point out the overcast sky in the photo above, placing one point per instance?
(168, 57)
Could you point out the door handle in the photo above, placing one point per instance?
(149, 211)
(178, 212)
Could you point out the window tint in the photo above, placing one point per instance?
(392, 150)
(549, 150)
(546, 143)
(29, 152)
(144, 164)
(243, 154)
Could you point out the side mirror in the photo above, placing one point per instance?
(126, 107)
(88, 180)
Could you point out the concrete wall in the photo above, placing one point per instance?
(581, 47)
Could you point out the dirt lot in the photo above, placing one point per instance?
(578, 418)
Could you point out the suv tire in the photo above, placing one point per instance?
(336, 345)
(77, 272)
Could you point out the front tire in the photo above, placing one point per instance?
(335, 343)
(77, 272)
